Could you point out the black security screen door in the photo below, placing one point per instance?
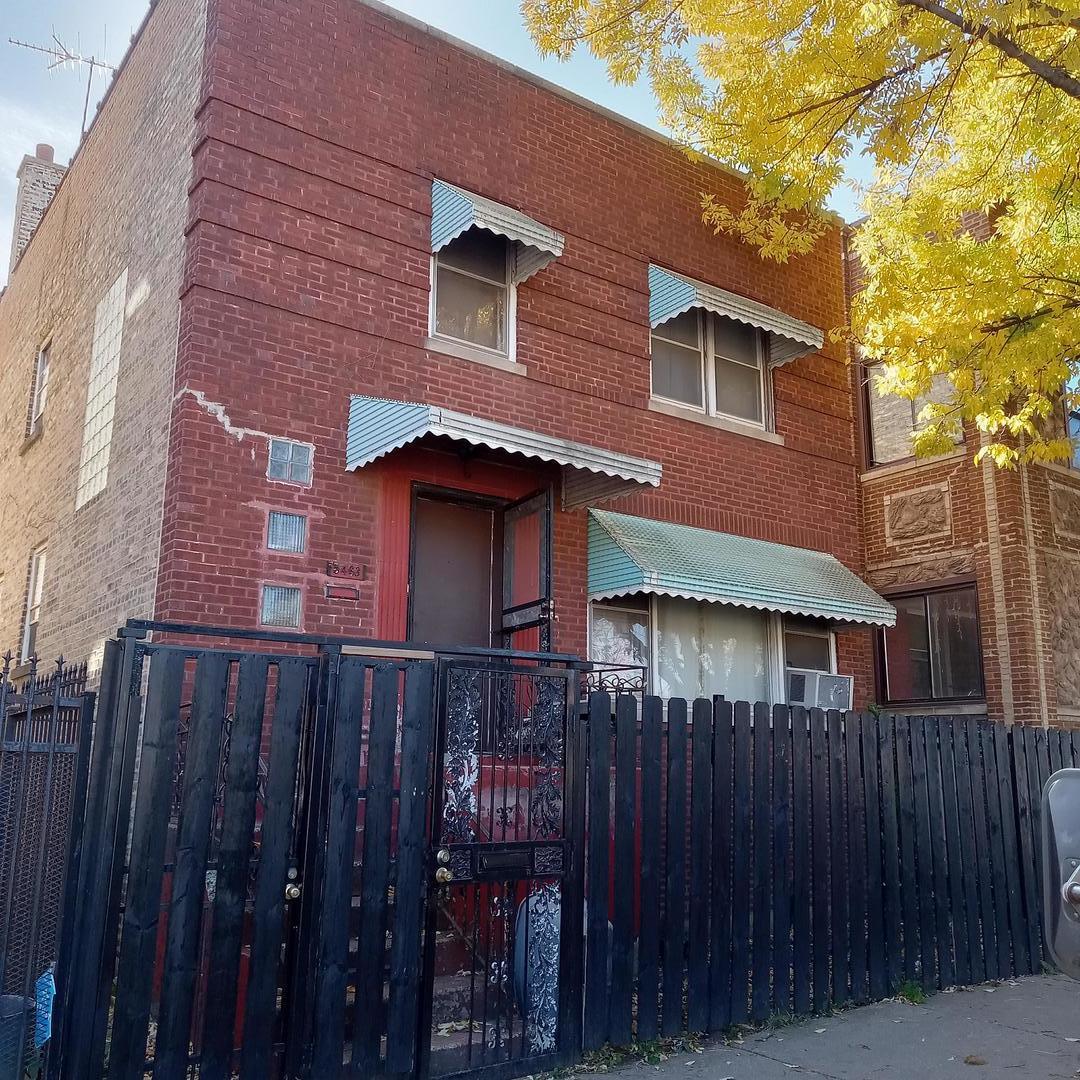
(527, 601)
(504, 888)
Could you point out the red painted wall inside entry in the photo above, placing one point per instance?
(400, 474)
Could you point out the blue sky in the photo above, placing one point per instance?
(38, 105)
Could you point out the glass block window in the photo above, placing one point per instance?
(291, 461)
(101, 392)
(280, 606)
(286, 532)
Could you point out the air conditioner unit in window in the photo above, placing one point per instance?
(818, 689)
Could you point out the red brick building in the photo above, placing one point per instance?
(326, 294)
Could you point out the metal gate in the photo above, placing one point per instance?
(501, 994)
(261, 903)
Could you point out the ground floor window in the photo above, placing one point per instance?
(690, 648)
(933, 652)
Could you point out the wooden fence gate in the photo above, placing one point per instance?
(265, 862)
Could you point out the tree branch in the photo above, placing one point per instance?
(1057, 77)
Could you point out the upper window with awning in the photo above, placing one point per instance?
(785, 337)
(713, 351)
(481, 250)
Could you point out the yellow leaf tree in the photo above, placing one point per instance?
(970, 112)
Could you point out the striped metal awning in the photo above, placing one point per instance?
(638, 555)
(453, 210)
(378, 426)
(671, 294)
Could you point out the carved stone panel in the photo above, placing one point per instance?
(1063, 601)
(930, 569)
(1065, 510)
(922, 514)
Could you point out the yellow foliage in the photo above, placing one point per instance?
(970, 113)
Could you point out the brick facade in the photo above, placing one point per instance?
(305, 278)
(121, 205)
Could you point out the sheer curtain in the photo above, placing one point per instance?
(705, 649)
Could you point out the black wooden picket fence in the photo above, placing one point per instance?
(747, 861)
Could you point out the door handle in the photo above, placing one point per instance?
(444, 875)
(292, 891)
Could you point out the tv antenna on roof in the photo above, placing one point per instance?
(63, 57)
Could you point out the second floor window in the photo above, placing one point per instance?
(472, 291)
(712, 364)
(894, 420)
(39, 394)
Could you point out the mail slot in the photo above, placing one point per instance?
(501, 862)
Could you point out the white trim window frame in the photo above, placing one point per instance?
(775, 648)
(39, 396)
(707, 357)
(509, 328)
(35, 586)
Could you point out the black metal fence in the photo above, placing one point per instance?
(44, 747)
(747, 861)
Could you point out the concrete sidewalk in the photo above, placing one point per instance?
(1023, 1028)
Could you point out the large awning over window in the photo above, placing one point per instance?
(454, 210)
(671, 294)
(377, 427)
(632, 554)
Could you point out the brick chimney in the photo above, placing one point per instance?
(39, 177)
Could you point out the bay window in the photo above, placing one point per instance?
(692, 649)
(933, 652)
(712, 364)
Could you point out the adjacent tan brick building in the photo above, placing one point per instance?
(948, 529)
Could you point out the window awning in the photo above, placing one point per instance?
(377, 427)
(454, 210)
(671, 294)
(632, 554)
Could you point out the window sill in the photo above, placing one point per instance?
(878, 472)
(474, 353)
(30, 439)
(1070, 471)
(937, 708)
(721, 423)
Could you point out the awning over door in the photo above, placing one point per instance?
(632, 554)
(453, 210)
(378, 426)
(671, 294)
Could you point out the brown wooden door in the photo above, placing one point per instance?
(456, 548)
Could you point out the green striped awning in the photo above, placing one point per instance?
(633, 554)
(454, 210)
(589, 473)
(671, 294)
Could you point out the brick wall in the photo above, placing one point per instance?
(121, 205)
(307, 279)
